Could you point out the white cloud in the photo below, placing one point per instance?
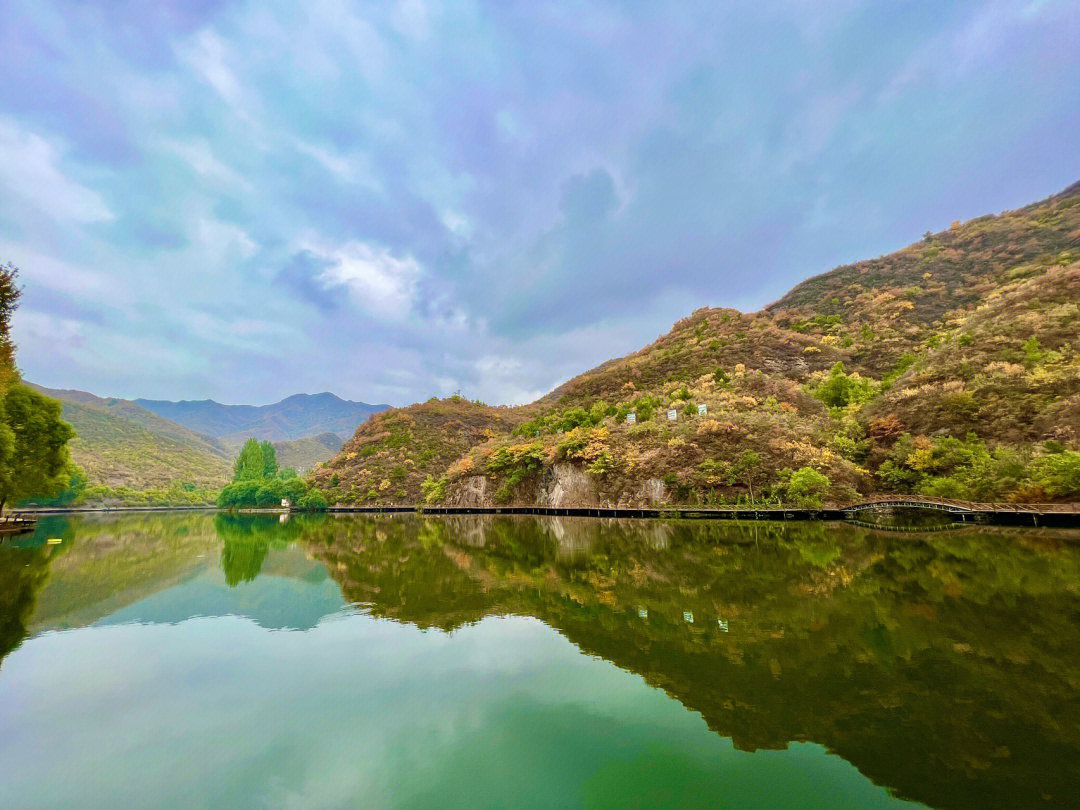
(207, 55)
(351, 168)
(29, 171)
(457, 223)
(55, 274)
(197, 153)
(41, 327)
(384, 285)
(225, 240)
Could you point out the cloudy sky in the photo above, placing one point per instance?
(243, 200)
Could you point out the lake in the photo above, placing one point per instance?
(190, 660)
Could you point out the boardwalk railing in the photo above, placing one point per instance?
(962, 511)
(958, 506)
(15, 522)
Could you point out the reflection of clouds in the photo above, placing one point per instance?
(385, 696)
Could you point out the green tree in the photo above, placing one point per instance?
(269, 493)
(746, 468)
(839, 389)
(292, 488)
(250, 464)
(72, 493)
(269, 459)
(312, 501)
(34, 458)
(9, 300)
(1060, 473)
(807, 487)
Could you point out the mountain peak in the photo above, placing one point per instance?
(294, 417)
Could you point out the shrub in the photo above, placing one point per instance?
(838, 390)
(517, 462)
(807, 487)
(312, 501)
(942, 487)
(269, 494)
(1059, 473)
(434, 490)
(572, 444)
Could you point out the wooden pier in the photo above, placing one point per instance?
(16, 523)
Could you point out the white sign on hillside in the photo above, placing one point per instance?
(672, 415)
(631, 418)
(702, 410)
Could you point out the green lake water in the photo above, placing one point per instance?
(193, 660)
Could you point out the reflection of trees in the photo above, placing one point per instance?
(247, 539)
(942, 665)
(24, 570)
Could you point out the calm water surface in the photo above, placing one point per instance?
(195, 660)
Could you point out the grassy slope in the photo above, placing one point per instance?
(304, 454)
(969, 330)
(120, 444)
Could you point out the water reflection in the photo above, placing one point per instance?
(943, 666)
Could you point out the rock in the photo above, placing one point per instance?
(567, 486)
(471, 491)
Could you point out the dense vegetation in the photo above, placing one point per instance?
(129, 455)
(259, 482)
(395, 452)
(949, 368)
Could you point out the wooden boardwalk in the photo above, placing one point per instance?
(16, 523)
(1014, 514)
(1066, 515)
(957, 507)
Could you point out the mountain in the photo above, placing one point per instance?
(120, 444)
(295, 417)
(394, 452)
(303, 454)
(128, 450)
(950, 367)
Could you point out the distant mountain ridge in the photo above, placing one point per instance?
(120, 443)
(295, 417)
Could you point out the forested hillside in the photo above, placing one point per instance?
(125, 453)
(947, 368)
(392, 454)
(121, 446)
(303, 454)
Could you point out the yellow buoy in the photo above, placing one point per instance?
(52, 541)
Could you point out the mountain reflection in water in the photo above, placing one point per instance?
(944, 667)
